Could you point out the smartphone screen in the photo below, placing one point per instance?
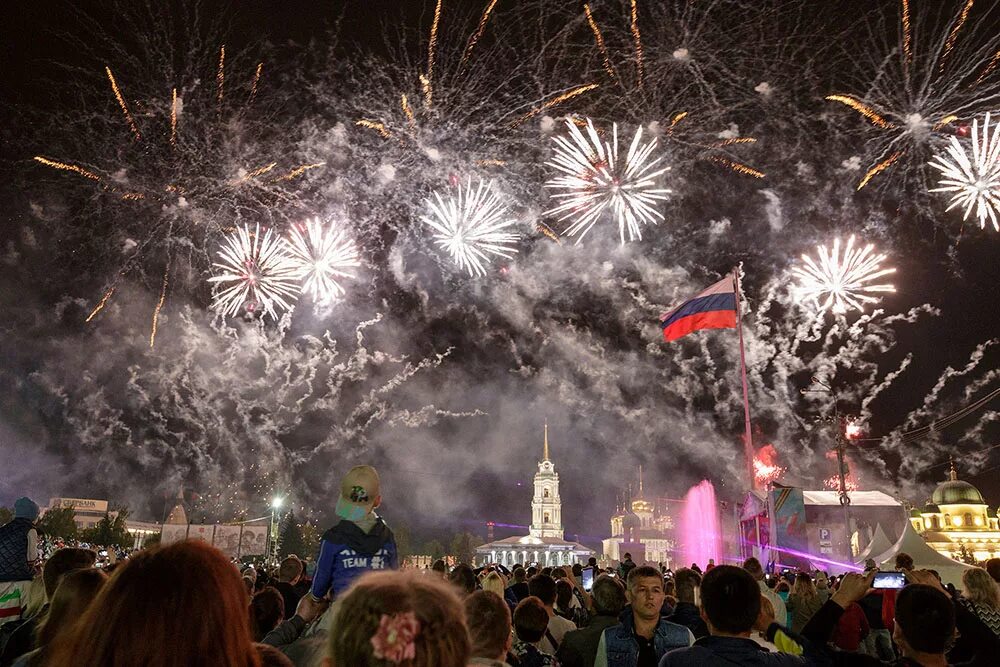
(889, 580)
(588, 578)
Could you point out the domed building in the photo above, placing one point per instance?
(637, 527)
(957, 519)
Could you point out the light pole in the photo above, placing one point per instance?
(846, 429)
(272, 550)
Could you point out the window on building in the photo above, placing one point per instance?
(935, 524)
(968, 518)
(546, 519)
(545, 493)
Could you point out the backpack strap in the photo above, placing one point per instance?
(552, 640)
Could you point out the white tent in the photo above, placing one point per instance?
(879, 545)
(924, 557)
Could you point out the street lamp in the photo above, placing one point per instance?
(846, 429)
(272, 548)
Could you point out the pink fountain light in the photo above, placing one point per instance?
(700, 538)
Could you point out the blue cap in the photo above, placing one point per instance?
(25, 508)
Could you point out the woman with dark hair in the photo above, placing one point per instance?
(74, 594)
(267, 610)
(182, 604)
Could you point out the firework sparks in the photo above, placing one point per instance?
(480, 29)
(879, 168)
(100, 306)
(121, 102)
(298, 171)
(594, 180)
(840, 282)
(407, 111)
(599, 38)
(431, 53)
(62, 166)
(939, 72)
(159, 307)
(173, 117)
(472, 226)
(637, 39)
(256, 80)
(220, 77)
(374, 125)
(323, 255)
(738, 167)
(870, 114)
(973, 180)
(949, 45)
(257, 273)
(559, 99)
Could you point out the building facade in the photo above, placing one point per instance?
(640, 528)
(545, 543)
(956, 521)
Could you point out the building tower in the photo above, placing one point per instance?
(546, 506)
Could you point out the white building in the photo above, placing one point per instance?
(640, 528)
(545, 543)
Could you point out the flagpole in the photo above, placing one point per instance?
(748, 436)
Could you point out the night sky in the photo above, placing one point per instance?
(455, 376)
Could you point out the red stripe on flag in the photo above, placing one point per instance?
(713, 319)
(10, 611)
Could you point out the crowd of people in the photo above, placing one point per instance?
(187, 604)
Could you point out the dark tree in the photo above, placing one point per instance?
(59, 522)
(5, 515)
(463, 547)
(109, 532)
(290, 539)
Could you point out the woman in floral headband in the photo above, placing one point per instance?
(399, 618)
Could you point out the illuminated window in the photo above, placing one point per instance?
(956, 521)
(927, 523)
(979, 521)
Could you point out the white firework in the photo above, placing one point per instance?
(840, 282)
(595, 181)
(322, 255)
(973, 180)
(257, 274)
(472, 226)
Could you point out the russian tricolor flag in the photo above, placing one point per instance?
(715, 308)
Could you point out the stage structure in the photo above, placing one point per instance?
(797, 528)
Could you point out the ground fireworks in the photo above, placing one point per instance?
(323, 255)
(258, 274)
(595, 181)
(472, 226)
(842, 281)
(973, 180)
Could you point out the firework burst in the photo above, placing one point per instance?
(471, 226)
(323, 255)
(973, 180)
(594, 180)
(939, 71)
(842, 281)
(257, 273)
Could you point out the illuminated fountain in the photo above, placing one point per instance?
(700, 537)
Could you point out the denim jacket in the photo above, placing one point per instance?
(619, 648)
